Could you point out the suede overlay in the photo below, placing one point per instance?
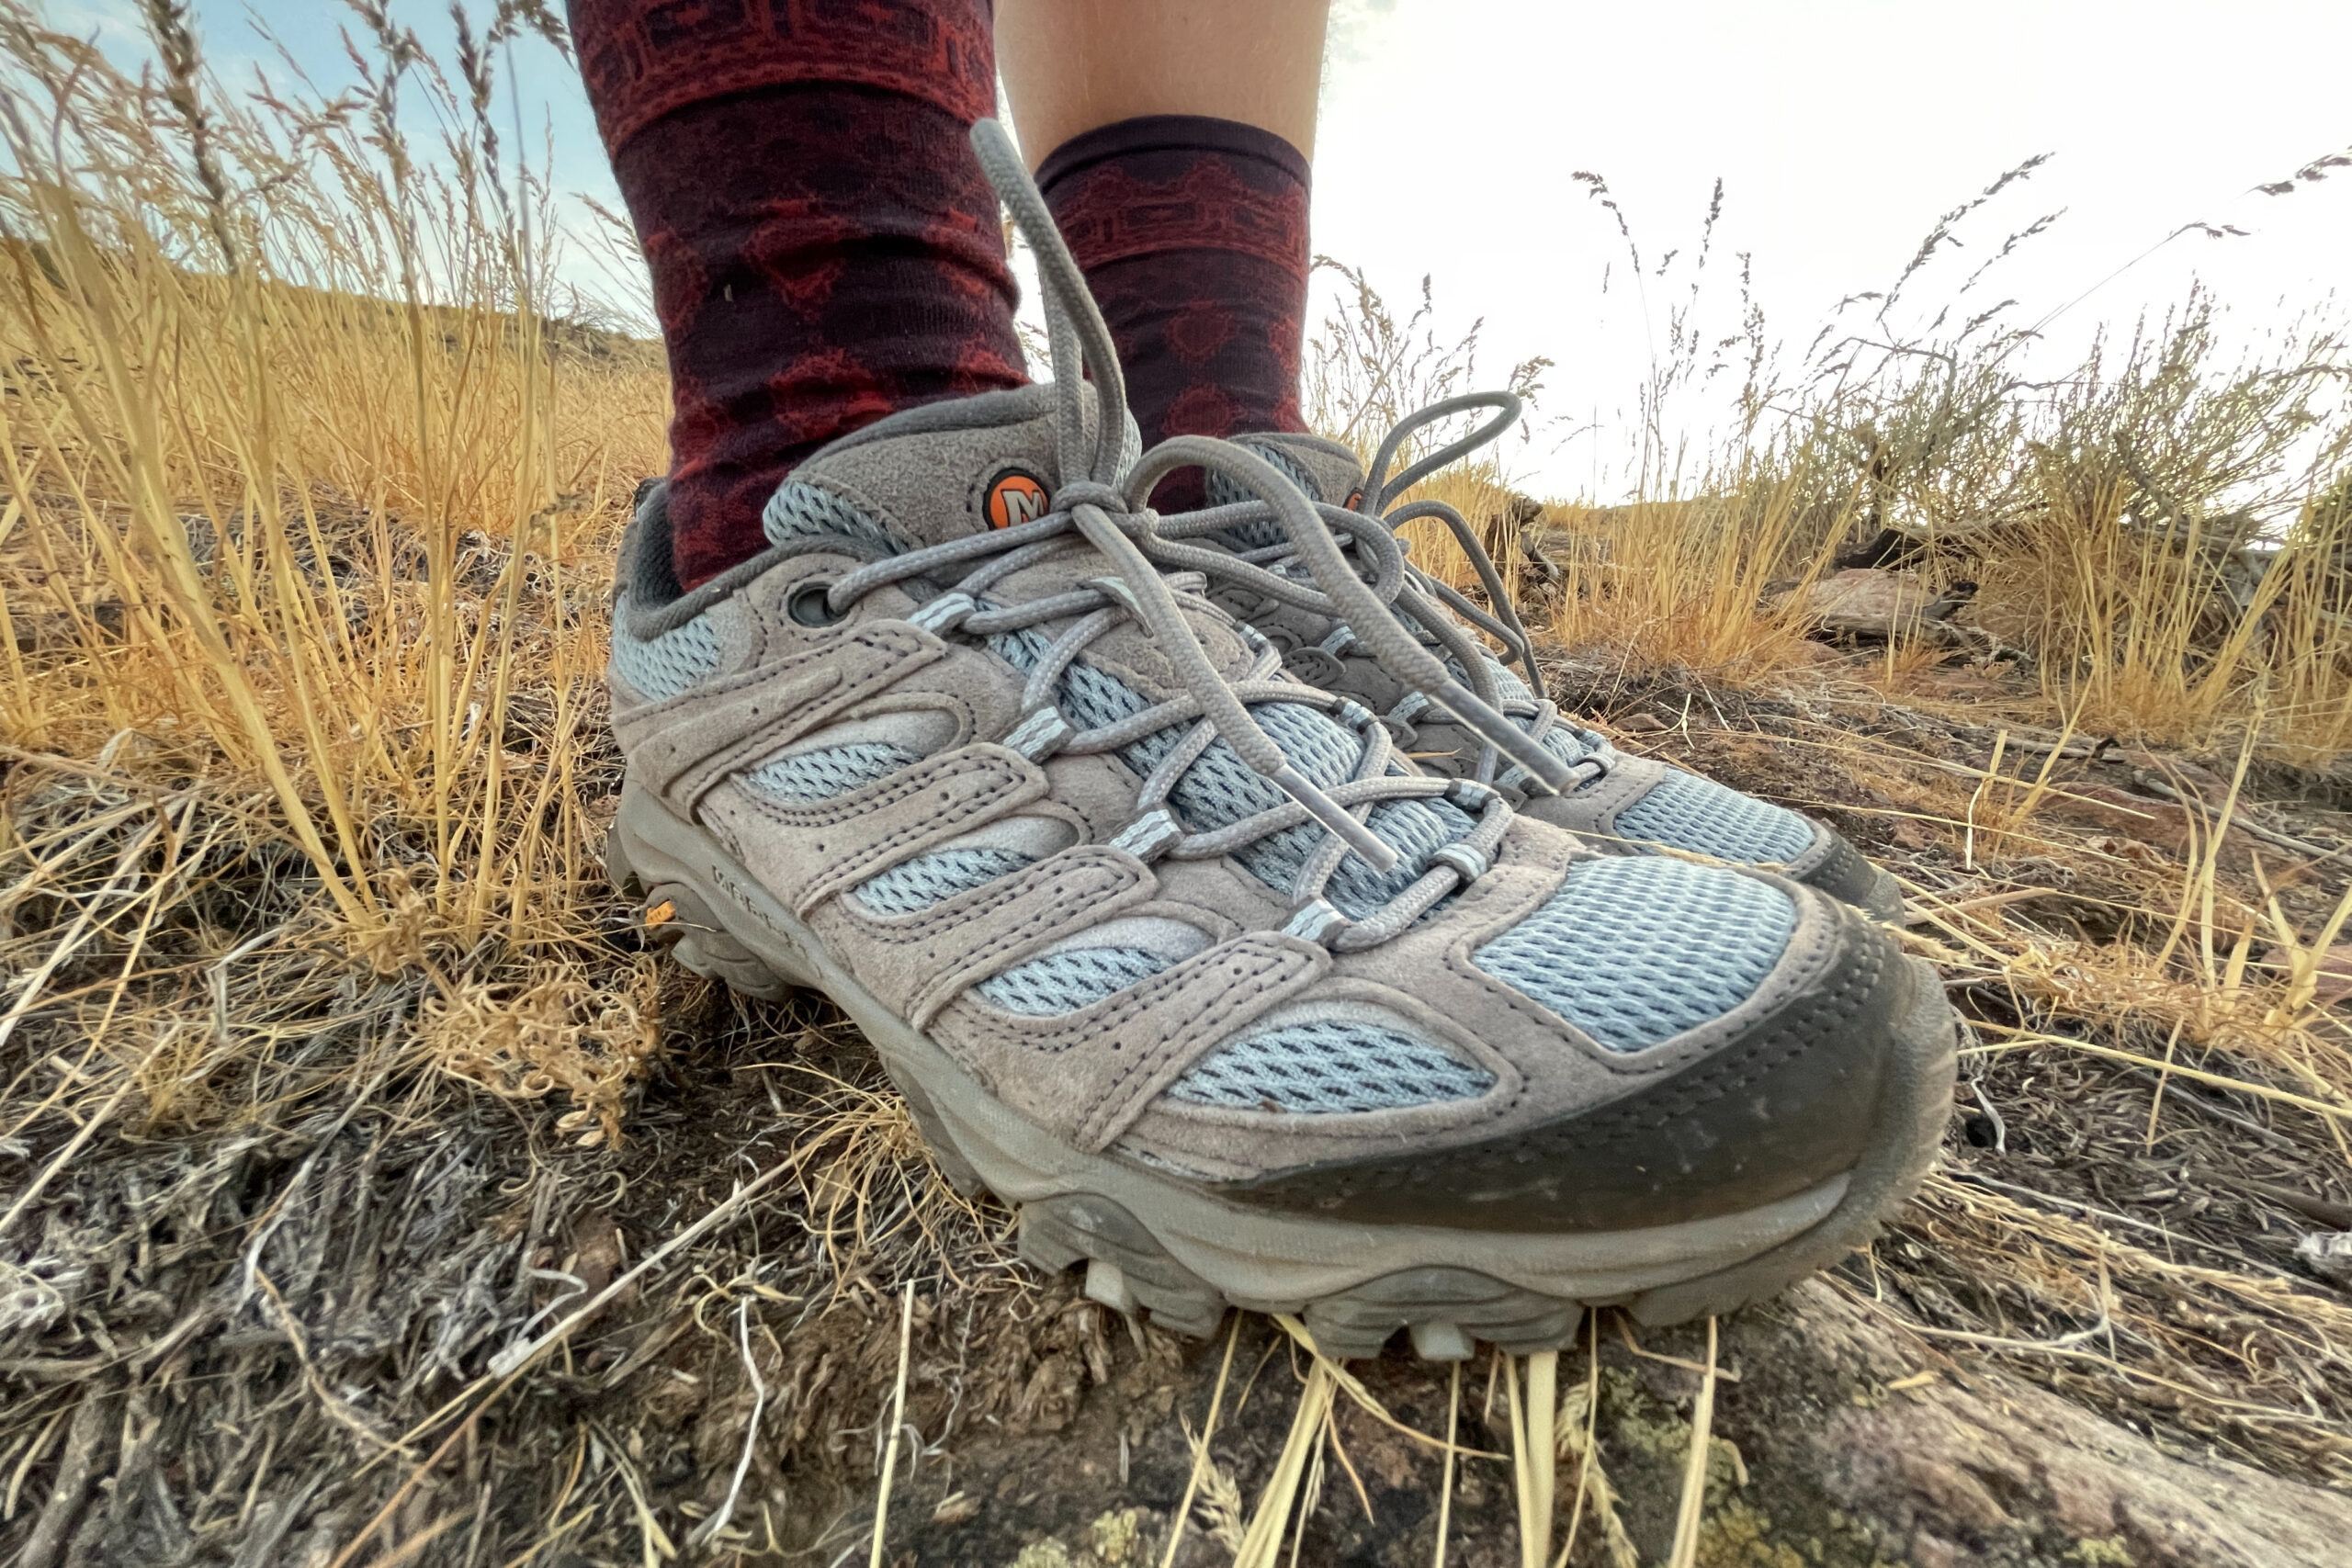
(839, 842)
(923, 960)
(682, 747)
(1086, 1077)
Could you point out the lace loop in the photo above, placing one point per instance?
(1155, 581)
(1391, 602)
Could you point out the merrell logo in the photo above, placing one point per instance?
(1014, 497)
(748, 902)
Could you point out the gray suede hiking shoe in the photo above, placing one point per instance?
(1175, 953)
(1618, 802)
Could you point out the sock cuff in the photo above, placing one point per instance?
(642, 62)
(1165, 183)
(1168, 133)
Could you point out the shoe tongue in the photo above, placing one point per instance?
(1331, 472)
(927, 475)
(1326, 470)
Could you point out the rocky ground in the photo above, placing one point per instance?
(2111, 1331)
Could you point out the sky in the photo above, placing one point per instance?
(1452, 132)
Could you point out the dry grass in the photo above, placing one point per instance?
(338, 1086)
(2158, 539)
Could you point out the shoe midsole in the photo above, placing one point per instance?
(1257, 1258)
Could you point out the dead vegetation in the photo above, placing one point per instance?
(369, 1194)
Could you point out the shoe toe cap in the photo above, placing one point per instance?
(1750, 1105)
(1835, 867)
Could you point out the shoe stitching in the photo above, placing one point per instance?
(1236, 980)
(995, 782)
(1788, 1039)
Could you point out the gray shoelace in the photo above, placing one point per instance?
(1100, 507)
(1409, 599)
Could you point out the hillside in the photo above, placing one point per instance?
(373, 1191)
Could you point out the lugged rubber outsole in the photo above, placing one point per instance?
(1153, 1243)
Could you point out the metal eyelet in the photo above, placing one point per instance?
(807, 605)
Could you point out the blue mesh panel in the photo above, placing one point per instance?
(1219, 787)
(1330, 1068)
(1064, 982)
(1570, 744)
(821, 776)
(1222, 492)
(928, 879)
(1419, 829)
(1688, 812)
(1020, 649)
(797, 510)
(1093, 699)
(666, 665)
(1636, 951)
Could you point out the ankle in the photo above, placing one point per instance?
(1192, 235)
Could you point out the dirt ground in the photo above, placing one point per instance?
(251, 1330)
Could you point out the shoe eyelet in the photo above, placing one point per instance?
(807, 605)
(1315, 667)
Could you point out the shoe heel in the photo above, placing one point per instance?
(677, 917)
(617, 870)
(1126, 1266)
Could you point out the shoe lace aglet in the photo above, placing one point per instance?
(1380, 856)
(1555, 776)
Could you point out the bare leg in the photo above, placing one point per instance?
(1072, 65)
(1171, 138)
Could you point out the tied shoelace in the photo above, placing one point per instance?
(1410, 601)
(1099, 508)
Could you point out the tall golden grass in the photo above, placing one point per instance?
(312, 490)
(287, 431)
(2163, 534)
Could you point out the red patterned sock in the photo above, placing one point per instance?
(824, 248)
(1192, 233)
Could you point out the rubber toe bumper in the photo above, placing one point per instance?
(1791, 1102)
(1845, 874)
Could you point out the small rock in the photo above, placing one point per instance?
(597, 1242)
(1911, 834)
(2335, 973)
(2164, 823)
(2335, 976)
(1562, 545)
(2328, 1254)
(2192, 778)
(1874, 601)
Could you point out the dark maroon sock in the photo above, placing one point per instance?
(824, 248)
(1192, 233)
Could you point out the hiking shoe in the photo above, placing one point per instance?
(1618, 802)
(1174, 952)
